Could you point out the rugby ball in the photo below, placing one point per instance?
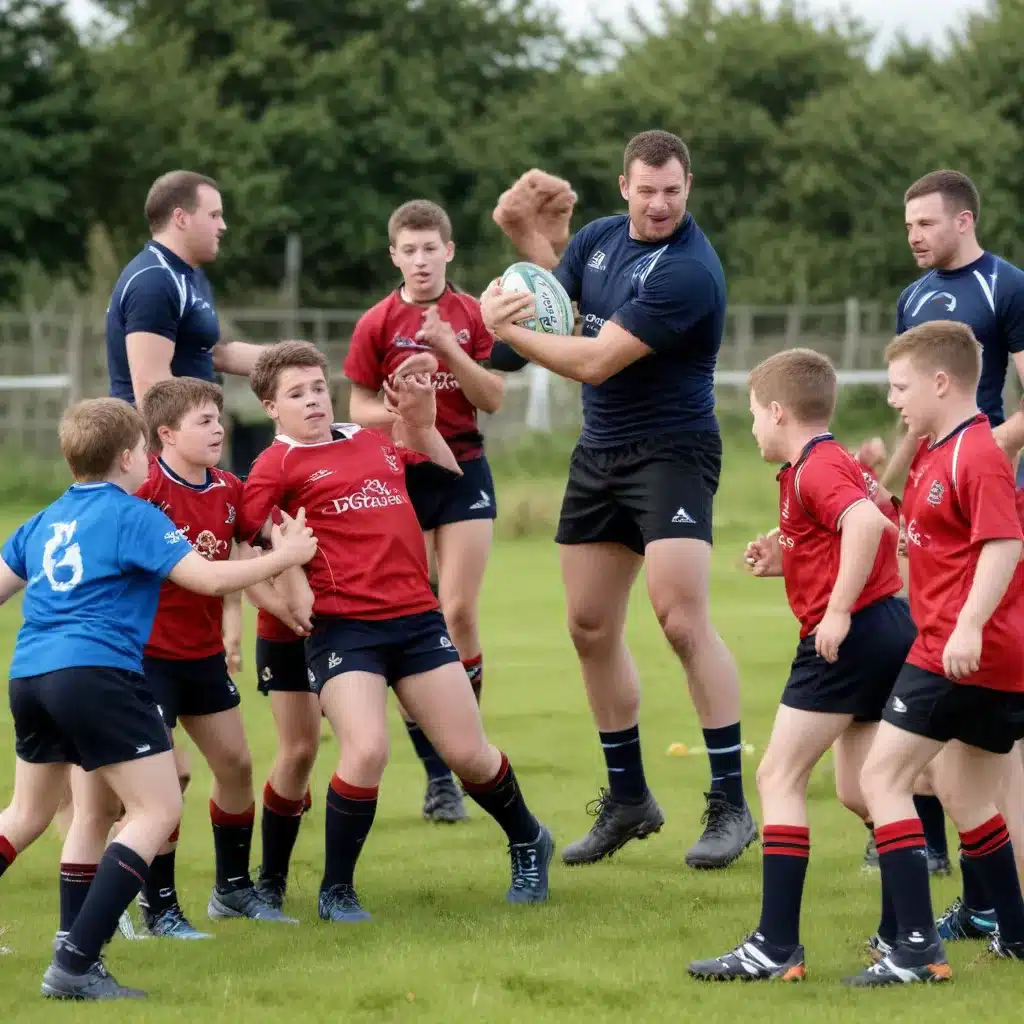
(553, 307)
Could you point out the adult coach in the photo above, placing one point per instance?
(652, 295)
(161, 321)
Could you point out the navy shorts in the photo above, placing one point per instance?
(392, 648)
(281, 665)
(453, 499)
(931, 705)
(635, 493)
(92, 717)
(870, 659)
(192, 687)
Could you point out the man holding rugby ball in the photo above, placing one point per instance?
(642, 479)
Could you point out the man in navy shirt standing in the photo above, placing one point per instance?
(161, 321)
(642, 479)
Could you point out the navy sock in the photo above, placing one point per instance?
(350, 814)
(625, 765)
(279, 828)
(933, 819)
(975, 893)
(905, 873)
(887, 926)
(783, 868)
(435, 767)
(159, 893)
(725, 752)
(119, 877)
(988, 846)
(232, 845)
(503, 800)
(75, 880)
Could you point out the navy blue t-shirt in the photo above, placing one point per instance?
(93, 563)
(988, 296)
(159, 293)
(669, 294)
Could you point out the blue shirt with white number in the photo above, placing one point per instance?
(93, 563)
(988, 296)
(669, 294)
(159, 293)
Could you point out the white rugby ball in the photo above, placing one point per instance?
(551, 301)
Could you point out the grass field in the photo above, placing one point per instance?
(613, 942)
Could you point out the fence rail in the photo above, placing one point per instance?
(48, 360)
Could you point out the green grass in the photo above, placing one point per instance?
(614, 941)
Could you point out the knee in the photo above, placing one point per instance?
(299, 754)
(592, 634)
(474, 761)
(685, 624)
(777, 775)
(364, 757)
(233, 768)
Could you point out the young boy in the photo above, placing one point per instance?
(837, 554)
(962, 688)
(377, 620)
(92, 564)
(425, 315)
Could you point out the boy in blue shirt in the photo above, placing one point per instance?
(92, 565)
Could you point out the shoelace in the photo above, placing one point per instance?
(716, 817)
(525, 867)
(600, 807)
(343, 896)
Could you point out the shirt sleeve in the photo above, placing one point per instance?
(481, 341)
(151, 303)
(987, 497)
(364, 362)
(149, 542)
(828, 486)
(569, 271)
(900, 306)
(674, 297)
(13, 552)
(262, 493)
(1011, 316)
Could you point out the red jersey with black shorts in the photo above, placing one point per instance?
(184, 659)
(815, 495)
(383, 338)
(373, 607)
(959, 496)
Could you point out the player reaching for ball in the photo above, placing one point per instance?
(837, 554)
(426, 317)
(377, 621)
(642, 479)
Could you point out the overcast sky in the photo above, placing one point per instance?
(921, 20)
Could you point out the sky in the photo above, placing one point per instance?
(920, 20)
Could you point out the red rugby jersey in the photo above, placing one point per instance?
(188, 625)
(959, 494)
(371, 562)
(386, 335)
(814, 495)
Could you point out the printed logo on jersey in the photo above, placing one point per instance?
(373, 494)
(391, 459)
(935, 493)
(318, 475)
(62, 559)
(462, 337)
(943, 299)
(871, 483)
(786, 543)
(915, 536)
(207, 544)
(401, 341)
(597, 261)
(785, 507)
(444, 382)
(231, 515)
(592, 325)
(175, 535)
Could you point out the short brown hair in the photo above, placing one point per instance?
(655, 148)
(945, 345)
(168, 402)
(94, 433)
(801, 380)
(274, 359)
(171, 191)
(958, 192)
(420, 215)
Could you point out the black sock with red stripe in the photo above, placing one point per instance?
(7, 854)
(350, 813)
(988, 848)
(783, 868)
(475, 670)
(232, 845)
(279, 830)
(119, 877)
(503, 800)
(903, 860)
(75, 880)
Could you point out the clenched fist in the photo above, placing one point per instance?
(538, 202)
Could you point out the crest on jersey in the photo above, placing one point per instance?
(391, 459)
(207, 545)
(935, 493)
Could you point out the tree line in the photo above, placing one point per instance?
(317, 117)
